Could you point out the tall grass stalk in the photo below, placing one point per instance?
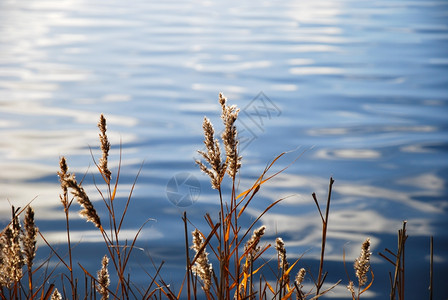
(397, 280)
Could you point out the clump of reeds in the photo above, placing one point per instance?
(11, 254)
(17, 251)
(118, 250)
(397, 279)
(237, 259)
(239, 254)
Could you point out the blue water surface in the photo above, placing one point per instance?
(357, 89)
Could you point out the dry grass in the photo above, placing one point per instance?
(238, 248)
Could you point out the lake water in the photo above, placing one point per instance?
(359, 87)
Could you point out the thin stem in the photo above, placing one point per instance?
(221, 250)
(235, 233)
(67, 224)
(431, 265)
(187, 255)
(324, 236)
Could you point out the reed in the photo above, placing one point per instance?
(240, 250)
(103, 279)
(362, 269)
(397, 259)
(238, 260)
(12, 256)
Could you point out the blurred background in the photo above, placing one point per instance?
(358, 89)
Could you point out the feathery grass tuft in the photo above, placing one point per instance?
(362, 268)
(11, 253)
(229, 136)
(105, 147)
(202, 267)
(56, 295)
(103, 279)
(88, 211)
(212, 156)
(362, 263)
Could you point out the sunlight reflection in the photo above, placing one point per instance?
(297, 188)
(316, 71)
(401, 197)
(94, 236)
(427, 181)
(348, 154)
(218, 87)
(81, 116)
(19, 188)
(305, 231)
(368, 129)
(323, 12)
(284, 87)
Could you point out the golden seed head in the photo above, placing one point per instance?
(202, 267)
(11, 253)
(105, 147)
(103, 279)
(362, 263)
(212, 156)
(56, 295)
(29, 239)
(88, 211)
(252, 244)
(351, 288)
(229, 136)
(300, 277)
(281, 252)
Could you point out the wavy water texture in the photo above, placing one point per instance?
(360, 86)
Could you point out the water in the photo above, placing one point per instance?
(359, 86)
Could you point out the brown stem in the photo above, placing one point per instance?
(320, 281)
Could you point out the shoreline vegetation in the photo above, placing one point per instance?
(239, 249)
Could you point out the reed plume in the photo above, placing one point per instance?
(230, 136)
(11, 253)
(281, 251)
(103, 279)
(202, 267)
(283, 266)
(251, 249)
(300, 276)
(29, 243)
(63, 176)
(56, 295)
(351, 288)
(105, 147)
(362, 263)
(362, 267)
(212, 156)
(29, 239)
(69, 181)
(251, 246)
(298, 283)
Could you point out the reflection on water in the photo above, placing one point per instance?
(361, 86)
